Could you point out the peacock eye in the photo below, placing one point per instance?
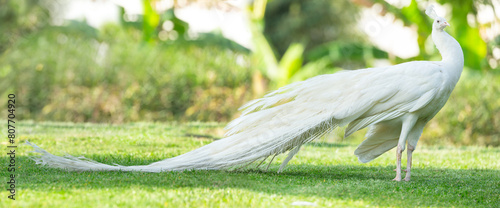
(439, 21)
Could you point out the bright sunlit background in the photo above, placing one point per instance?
(183, 60)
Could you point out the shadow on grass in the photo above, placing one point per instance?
(372, 185)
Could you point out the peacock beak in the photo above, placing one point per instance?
(446, 24)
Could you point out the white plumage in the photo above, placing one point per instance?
(395, 102)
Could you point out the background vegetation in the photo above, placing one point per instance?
(141, 71)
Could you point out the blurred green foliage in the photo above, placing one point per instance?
(311, 23)
(18, 18)
(150, 21)
(63, 75)
(139, 71)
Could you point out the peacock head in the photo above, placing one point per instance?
(439, 22)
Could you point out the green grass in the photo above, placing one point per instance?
(325, 173)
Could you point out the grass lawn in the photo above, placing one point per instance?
(324, 173)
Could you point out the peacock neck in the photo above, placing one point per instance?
(451, 52)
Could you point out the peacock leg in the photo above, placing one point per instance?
(408, 163)
(399, 151)
(408, 123)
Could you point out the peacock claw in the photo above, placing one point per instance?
(396, 179)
